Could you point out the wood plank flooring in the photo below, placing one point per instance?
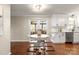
(21, 48)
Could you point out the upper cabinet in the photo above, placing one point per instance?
(58, 22)
(65, 23)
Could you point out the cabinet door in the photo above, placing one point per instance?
(69, 36)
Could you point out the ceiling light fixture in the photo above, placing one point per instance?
(39, 7)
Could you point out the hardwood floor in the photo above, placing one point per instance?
(21, 48)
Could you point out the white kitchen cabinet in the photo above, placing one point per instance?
(58, 37)
(76, 37)
(57, 21)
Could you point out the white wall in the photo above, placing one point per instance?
(5, 38)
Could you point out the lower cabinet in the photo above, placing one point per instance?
(76, 37)
(59, 37)
(69, 37)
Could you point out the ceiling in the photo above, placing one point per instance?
(26, 9)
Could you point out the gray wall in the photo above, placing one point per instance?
(20, 28)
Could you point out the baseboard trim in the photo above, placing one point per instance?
(9, 53)
(19, 40)
(76, 43)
